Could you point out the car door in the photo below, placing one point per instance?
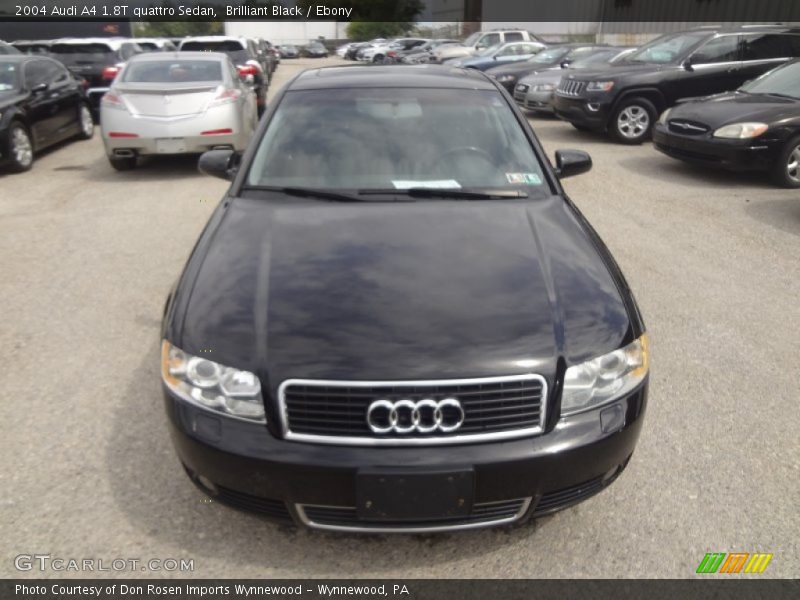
(509, 53)
(64, 92)
(712, 68)
(764, 51)
(487, 40)
(42, 108)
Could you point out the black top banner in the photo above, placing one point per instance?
(747, 11)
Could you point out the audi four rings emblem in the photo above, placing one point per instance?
(422, 416)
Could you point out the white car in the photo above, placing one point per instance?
(377, 52)
(176, 103)
(481, 40)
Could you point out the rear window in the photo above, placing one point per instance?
(173, 71)
(221, 46)
(99, 49)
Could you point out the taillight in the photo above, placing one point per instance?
(122, 134)
(110, 72)
(248, 69)
(112, 99)
(391, 53)
(226, 131)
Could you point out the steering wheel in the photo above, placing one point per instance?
(465, 151)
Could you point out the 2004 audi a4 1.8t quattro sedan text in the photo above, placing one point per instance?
(395, 320)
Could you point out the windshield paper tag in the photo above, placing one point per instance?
(526, 178)
(439, 183)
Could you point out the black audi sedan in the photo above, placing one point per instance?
(41, 104)
(395, 319)
(756, 127)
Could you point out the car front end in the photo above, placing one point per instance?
(586, 101)
(319, 363)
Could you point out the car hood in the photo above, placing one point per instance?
(723, 109)
(522, 67)
(399, 291)
(454, 51)
(546, 76)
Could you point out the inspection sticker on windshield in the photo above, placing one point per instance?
(438, 183)
(526, 178)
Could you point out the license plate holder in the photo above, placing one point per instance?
(170, 145)
(398, 495)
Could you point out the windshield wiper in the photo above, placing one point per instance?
(456, 193)
(777, 95)
(304, 192)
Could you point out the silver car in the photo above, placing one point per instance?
(176, 103)
(535, 91)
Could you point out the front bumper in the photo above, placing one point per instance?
(751, 155)
(534, 101)
(244, 465)
(590, 112)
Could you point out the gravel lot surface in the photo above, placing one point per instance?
(87, 256)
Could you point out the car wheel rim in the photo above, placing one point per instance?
(793, 165)
(633, 122)
(21, 147)
(86, 121)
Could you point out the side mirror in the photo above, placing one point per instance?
(40, 88)
(572, 162)
(687, 64)
(219, 163)
(564, 64)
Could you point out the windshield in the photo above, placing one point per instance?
(472, 39)
(393, 138)
(99, 49)
(222, 46)
(9, 76)
(173, 71)
(549, 55)
(784, 80)
(148, 46)
(490, 51)
(668, 48)
(595, 59)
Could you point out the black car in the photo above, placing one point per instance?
(552, 57)
(33, 46)
(416, 336)
(352, 50)
(315, 50)
(757, 127)
(41, 104)
(243, 54)
(288, 51)
(626, 98)
(96, 60)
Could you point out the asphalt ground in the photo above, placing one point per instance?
(87, 257)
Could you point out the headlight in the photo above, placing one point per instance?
(741, 131)
(212, 386)
(505, 77)
(605, 378)
(599, 86)
(664, 116)
(543, 87)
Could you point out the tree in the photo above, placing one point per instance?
(367, 30)
(178, 28)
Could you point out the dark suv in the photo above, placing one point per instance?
(625, 99)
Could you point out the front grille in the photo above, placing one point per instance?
(346, 518)
(275, 509)
(554, 501)
(684, 127)
(336, 411)
(570, 87)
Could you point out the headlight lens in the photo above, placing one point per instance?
(741, 131)
(605, 378)
(212, 386)
(664, 116)
(543, 87)
(599, 86)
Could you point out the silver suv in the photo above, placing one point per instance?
(480, 40)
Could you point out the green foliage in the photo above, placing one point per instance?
(367, 30)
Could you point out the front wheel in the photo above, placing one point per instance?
(21, 155)
(86, 122)
(632, 121)
(786, 172)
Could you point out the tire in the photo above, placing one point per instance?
(632, 121)
(123, 163)
(86, 122)
(20, 148)
(786, 172)
(378, 58)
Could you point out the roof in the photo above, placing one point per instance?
(740, 28)
(114, 43)
(183, 55)
(423, 76)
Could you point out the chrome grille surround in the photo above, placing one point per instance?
(344, 518)
(536, 404)
(570, 87)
